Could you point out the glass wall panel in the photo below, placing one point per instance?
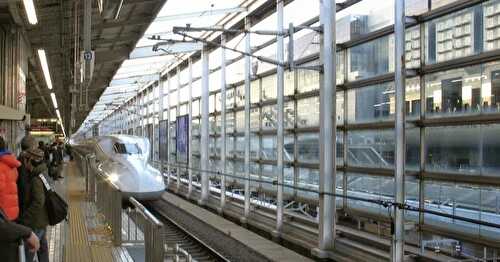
(230, 123)
(371, 187)
(377, 102)
(453, 149)
(457, 35)
(307, 80)
(195, 110)
(491, 149)
(412, 47)
(308, 112)
(454, 92)
(371, 59)
(240, 96)
(375, 148)
(463, 200)
(254, 119)
(491, 21)
(229, 146)
(308, 147)
(269, 116)
(362, 18)
(490, 88)
(240, 121)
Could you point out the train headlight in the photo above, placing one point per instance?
(113, 178)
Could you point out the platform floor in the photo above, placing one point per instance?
(83, 238)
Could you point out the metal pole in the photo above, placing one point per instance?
(327, 179)
(190, 152)
(247, 122)
(87, 46)
(168, 129)
(399, 33)
(178, 77)
(204, 128)
(160, 118)
(280, 77)
(223, 127)
(137, 112)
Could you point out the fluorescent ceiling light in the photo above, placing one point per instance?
(54, 100)
(45, 67)
(29, 7)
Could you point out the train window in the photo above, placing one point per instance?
(123, 148)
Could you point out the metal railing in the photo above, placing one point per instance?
(132, 226)
(108, 200)
(153, 232)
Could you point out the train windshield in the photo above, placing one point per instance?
(125, 148)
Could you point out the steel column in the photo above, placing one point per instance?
(178, 112)
(190, 129)
(327, 179)
(160, 118)
(223, 123)
(247, 121)
(204, 128)
(400, 72)
(168, 129)
(280, 84)
(87, 46)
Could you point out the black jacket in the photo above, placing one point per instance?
(11, 235)
(23, 184)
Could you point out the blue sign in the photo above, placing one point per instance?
(182, 138)
(163, 140)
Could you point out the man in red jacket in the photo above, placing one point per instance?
(8, 182)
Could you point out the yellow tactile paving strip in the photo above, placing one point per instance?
(78, 248)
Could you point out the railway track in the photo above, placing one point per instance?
(181, 244)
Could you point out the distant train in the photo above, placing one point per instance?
(123, 159)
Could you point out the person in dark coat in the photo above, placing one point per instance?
(35, 216)
(11, 235)
(28, 142)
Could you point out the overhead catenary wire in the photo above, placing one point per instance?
(383, 203)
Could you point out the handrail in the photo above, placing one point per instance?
(145, 212)
(153, 233)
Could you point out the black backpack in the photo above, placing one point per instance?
(57, 208)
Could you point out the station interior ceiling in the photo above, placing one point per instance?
(112, 41)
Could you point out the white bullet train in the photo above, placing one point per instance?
(123, 159)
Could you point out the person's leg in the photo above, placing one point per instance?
(43, 252)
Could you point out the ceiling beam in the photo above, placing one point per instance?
(138, 20)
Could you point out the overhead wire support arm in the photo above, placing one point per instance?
(212, 43)
(260, 58)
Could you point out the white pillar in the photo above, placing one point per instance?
(223, 124)
(400, 72)
(280, 84)
(204, 129)
(327, 208)
(190, 151)
(178, 112)
(168, 129)
(247, 122)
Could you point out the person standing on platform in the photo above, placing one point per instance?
(28, 142)
(35, 215)
(11, 235)
(9, 201)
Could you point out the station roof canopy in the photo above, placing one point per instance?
(145, 65)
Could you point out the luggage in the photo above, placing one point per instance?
(57, 208)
